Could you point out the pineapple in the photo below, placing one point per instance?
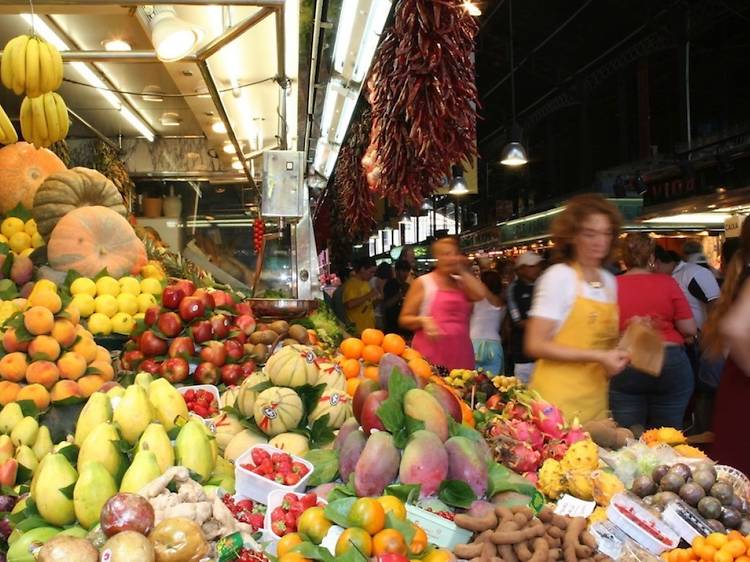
(551, 479)
(583, 455)
(605, 485)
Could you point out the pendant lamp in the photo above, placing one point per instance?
(513, 153)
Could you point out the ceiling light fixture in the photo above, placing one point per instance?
(471, 8)
(228, 148)
(170, 119)
(458, 183)
(152, 93)
(405, 220)
(219, 128)
(46, 32)
(116, 45)
(173, 38)
(356, 42)
(513, 153)
(237, 165)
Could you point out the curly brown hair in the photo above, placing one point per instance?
(567, 224)
(637, 249)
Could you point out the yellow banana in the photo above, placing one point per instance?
(6, 127)
(41, 132)
(57, 65)
(33, 88)
(51, 116)
(19, 65)
(47, 74)
(62, 115)
(6, 69)
(27, 123)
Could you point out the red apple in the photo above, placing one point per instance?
(220, 325)
(447, 400)
(231, 374)
(201, 331)
(133, 344)
(245, 323)
(127, 512)
(243, 308)
(237, 335)
(150, 366)
(172, 296)
(188, 287)
(191, 308)
(131, 360)
(175, 369)
(169, 324)
(248, 368)
(214, 352)
(152, 345)
(365, 388)
(205, 297)
(221, 299)
(207, 373)
(151, 315)
(368, 417)
(234, 350)
(181, 347)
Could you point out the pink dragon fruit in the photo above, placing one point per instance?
(574, 433)
(522, 458)
(516, 411)
(526, 432)
(555, 450)
(548, 418)
(532, 477)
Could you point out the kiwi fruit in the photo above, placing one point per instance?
(260, 352)
(723, 492)
(280, 326)
(289, 341)
(299, 333)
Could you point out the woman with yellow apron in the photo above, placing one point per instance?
(573, 323)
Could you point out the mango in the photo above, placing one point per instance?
(98, 409)
(349, 426)
(43, 444)
(466, 463)
(20, 551)
(25, 432)
(193, 449)
(7, 449)
(168, 404)
(143, 470)
(94, 487)
(75, 531)
(133, 413)
(420, 405)
(389, 363)
(447, 400)
(156, 440)
(55, 476)
(101, 446)
(377, 465)
(242, 442)
(10, 415)
(350, 452)
(424, 462)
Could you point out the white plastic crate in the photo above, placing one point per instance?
(258, 488)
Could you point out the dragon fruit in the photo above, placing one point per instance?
(522, 458)
(548, 418)
(532, 477)
(516, 411)
(526, 432)
(574, 434)
(555, 450)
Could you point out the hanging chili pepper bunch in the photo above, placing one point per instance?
(259, 230)
(424, 100)
(355, 197)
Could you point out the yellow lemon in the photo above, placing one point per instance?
(145, 301)
(10, 226)
(139, 316)
(3, 239)
(19, 242)
(100, 324)
(83, 286)
(36, 240)
(123, 323)
(30, 227)
(152, 271)
(130, 285)
(85, 304)
(151, 286)
(127, 303)
(107, 286)
(107, 304)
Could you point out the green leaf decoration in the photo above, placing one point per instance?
(312, 552)
(326, 463)
(102, 273)
(71, 276)
(310, 396)
(407, 493)
(342, 491)
(19, 212)
(30, 523)
(70, 452)
(320, 433)
(8, 290)
(67, 491)
(28, 408)
(338, 511)
(456, 493)
(404, 527)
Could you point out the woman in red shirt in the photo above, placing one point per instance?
(637, 399)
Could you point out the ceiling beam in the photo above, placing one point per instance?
(233, 33)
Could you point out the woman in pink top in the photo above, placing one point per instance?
(637, 399)
(438, 309)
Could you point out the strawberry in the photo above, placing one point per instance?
(258, 455)
(278, 514)
(291, 479)
(299, 468)
(255, 520)
(279, 528)
(309, 500)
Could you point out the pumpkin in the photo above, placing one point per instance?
(277, 409)
(90, 239)
(292, 443)
(338, 406)
(23, 168)
(72, 189)
(246, 396)
(332, 375)
(293, 365)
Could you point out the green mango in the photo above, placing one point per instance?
(19, 550)
(94, 487)
(25, 432)
(43, 444)
(55, 474)
(101, 446)
(193, 449)
(143, 470)
(98, 409)
(156, 440)
(10, 415)
(133, 413)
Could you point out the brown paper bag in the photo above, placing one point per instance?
(645, 346)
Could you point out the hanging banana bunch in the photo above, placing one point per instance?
(32, 66)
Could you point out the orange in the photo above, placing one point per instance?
(732, 535)
(708, 552)
(391, 504)
(372, 353)
(742, 559)
(388, 540)
(420, 367)
(287, 543)
(439, 555)
(371, 336)
(717, 540)
(368, 514)
(356, 538)
(293, 557)
(351, 385)
(747, 542)
(352, 348)
(723, 556)
(372, 373)
(698, 543)
(735, 547)
(393, 343)
(419, 542)
(351, 368)
(410, 353)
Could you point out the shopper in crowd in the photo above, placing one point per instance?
(486, 319)
(573, 324)
(728, 331)
(636, 398)
(409, 256)
(393, 297)
(359, 296)
(438, 308)
(519, 298)
(337, 298)
(383, 273)
(693, 252)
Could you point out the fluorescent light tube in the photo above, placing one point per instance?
(344, 33)
(375, 22)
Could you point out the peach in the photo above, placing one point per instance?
(11, 342)
(13, 366)
(44, 347)
(90, 384)
(35, 392)
(8, 392)
(42, 372)
(46, 298)
(64, 331)
(38, 320)
(65, 389)
(87, 348)
(72, 366)
(107, 386)
(103, 369)
(83, 332)
(102, 354)
(73, 314)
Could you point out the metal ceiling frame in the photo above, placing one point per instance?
(200, 58)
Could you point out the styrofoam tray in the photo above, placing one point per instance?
(257, 488)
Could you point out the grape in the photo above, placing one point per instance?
(7, 503)
(5, 528)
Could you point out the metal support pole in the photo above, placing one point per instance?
(114, 56)
(232, 33)
(282, 78)
(101, 136)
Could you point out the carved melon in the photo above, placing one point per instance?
(332, 375)
(246, 397)
(278, 409)
(242, 442)
(292, 443)
(293, 365)
(338, 406)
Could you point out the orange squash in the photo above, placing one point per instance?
(89, 239)
(23, 168)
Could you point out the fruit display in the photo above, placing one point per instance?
(201, 402)
(19, 235)
(277, 467)
(285, 517)
(720, 547)
(246, 511)
(23, 168)
(31, 65)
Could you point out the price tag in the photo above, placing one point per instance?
(573, 507)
